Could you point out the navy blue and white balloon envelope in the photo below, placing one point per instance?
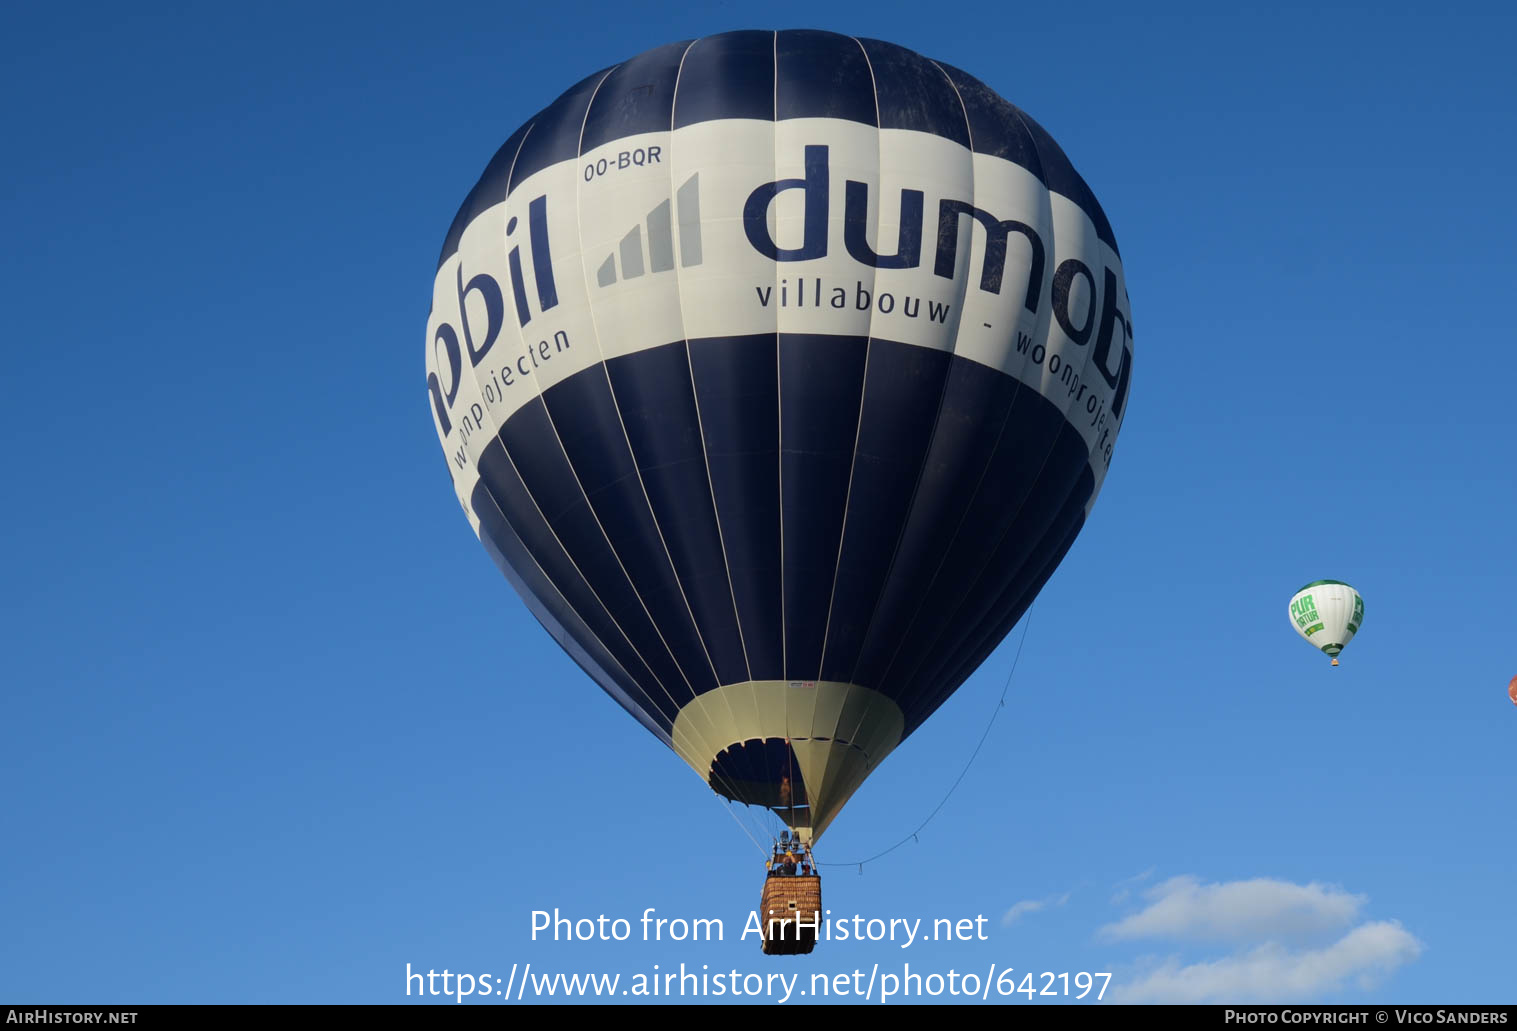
(777, 371)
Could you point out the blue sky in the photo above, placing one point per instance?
(271, 716)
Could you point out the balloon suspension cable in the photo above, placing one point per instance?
(727, 805)
(748, 825)
(1000, 704)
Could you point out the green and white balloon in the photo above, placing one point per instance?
(1327, 613)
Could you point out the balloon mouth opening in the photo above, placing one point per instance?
(766, 772)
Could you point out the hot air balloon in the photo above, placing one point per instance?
(1511, 690)
(777, 371)
(1327, 613)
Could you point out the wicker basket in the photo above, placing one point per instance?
(790, 911)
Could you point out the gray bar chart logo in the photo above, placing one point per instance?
(660, 251)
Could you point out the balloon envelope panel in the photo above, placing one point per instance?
(778, 371)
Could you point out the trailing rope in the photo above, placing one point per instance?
(1001, 704)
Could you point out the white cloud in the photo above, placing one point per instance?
(1026, 906)
(1274, 973)
(1260, 909)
